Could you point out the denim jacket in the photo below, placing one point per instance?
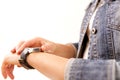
(103, 61)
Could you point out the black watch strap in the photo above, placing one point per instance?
(24, 55)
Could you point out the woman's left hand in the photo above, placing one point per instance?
(8, 64)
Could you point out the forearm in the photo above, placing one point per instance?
(67, 51)
(50, 65)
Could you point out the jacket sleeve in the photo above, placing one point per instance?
(85, 69)
(75, 45)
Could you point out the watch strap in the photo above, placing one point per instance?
(24, 55)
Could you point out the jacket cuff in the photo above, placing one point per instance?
(75, 45)
(67, 69)
(81, 69)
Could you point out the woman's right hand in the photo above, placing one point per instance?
(45, 45)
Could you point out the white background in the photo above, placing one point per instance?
(55, 20)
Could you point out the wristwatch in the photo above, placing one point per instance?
(24, 56)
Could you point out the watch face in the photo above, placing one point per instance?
(31, 50)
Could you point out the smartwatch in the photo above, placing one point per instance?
(24, 55)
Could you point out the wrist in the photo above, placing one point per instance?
(65, 50)
(23, 57)
(13, 59)
(17, 61)
(72, 48)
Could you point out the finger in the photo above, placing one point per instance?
(10, 74)
(43, 48)
(3, 70)
(10, 69)
(22, 47)
(20, 44)
(13, 50)
(17, 47)
(4, 74)
(35, 42)
(18, 66)
(47, 48)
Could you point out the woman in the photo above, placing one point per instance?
(94, 57)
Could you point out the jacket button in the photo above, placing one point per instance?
(94, 31)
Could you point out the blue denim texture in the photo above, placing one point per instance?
(103, 61)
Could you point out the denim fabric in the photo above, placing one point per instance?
(92, 70)
(105, 42)
(104, 37)
(89, 12)
(103, 62)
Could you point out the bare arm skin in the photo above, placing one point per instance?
(50, 65)
(51, 61)
(64, 50)
(67, 50)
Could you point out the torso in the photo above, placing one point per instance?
(85, 56)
